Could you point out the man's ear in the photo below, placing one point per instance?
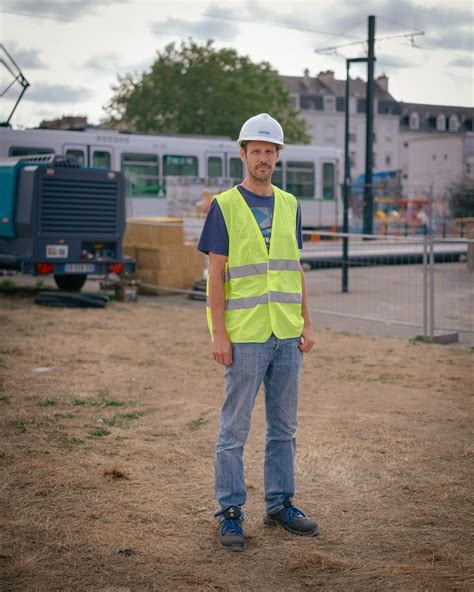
(242, 154)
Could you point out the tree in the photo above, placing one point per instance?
(198, 89)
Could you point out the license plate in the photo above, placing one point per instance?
(79, 268)
(57, 251)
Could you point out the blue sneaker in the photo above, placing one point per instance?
(292, 520)
(231, 535)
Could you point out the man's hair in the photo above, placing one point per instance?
(245, 143)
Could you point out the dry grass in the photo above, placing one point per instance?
(106, 460)
(116, 471)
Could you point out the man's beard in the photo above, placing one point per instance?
(261, 173)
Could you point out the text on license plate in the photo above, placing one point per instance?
(79, 268)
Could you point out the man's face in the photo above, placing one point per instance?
(261, 159)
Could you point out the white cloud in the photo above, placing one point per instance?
(44, 92)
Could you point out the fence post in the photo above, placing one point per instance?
(425, 285)
(345, 238)
(431, 262)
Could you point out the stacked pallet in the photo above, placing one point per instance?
(162, 257)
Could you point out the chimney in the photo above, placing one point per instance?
(306, 79)
(382, 82)
(326, 77)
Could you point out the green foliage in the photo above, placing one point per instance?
(7, 284)
(119, 418)
(197, 89)
(47, 403)
(100, 433)
(196, 424)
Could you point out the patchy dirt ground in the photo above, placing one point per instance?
(108, 422)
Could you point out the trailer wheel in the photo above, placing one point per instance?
(70, 283)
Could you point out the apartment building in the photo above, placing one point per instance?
(424, 143)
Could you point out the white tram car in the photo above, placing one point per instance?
(311, 173)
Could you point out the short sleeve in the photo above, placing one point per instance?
(214, 236)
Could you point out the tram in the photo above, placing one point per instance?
(311, 173)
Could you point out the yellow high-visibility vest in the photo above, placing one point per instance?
(263, 290)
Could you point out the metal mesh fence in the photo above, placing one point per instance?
(392, 285)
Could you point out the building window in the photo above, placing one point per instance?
(352, 159)
(328, 180)
(235, 170)
(329, 133)
(180, 166)
(277, 177)
(101, 159)
(388, 160)
(141, 173)
(17, 151)
(78, 155)
(453, 123)
(414, 121)
(388, 139)
(330, 104)
(441, 122)
(300, 179)
(214, 166)
(353, 138)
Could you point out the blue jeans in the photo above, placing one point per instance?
(277, 364)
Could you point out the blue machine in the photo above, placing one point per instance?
(59, 218)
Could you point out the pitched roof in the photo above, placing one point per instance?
(328, 85)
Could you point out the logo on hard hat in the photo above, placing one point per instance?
(265, 132)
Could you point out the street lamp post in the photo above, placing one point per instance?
(347, 182)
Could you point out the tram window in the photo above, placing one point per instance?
(300, 179)
(27, 151)
(180, 166)
(214, 166)
(235, 167)
(277, 177)
(78, 155)
(142, 175)
(328, 180)
(101, 159)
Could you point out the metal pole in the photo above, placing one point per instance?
(347, 180)
(425, 285)
(431, 259)
(368, 189)
(346, 188)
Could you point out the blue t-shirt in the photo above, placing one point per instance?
(214, 236)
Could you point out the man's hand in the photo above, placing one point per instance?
(222, 349)
(307, 339)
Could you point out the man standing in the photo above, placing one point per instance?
(260, 325)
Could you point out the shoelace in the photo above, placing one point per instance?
(233, 526)
(292, 513)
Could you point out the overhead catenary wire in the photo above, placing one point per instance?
(45, 16)
(276, 24)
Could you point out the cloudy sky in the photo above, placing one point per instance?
(72, 51)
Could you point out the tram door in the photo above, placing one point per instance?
(94, 156)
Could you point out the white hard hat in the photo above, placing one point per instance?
(262, 127)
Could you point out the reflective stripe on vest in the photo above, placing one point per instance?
(252, 301)
(261, 268)
(263, 291)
